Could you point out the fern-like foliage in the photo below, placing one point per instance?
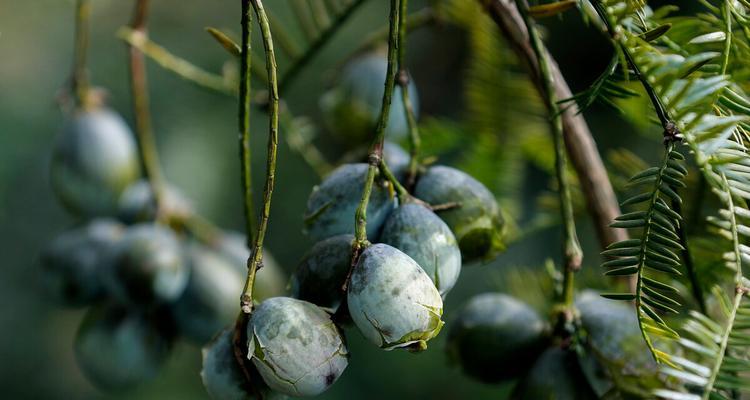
(655, 251)
(698, 70)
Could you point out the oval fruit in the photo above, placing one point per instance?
(295, 346)
(555, 375)
(320, 276)
(332, 204)
(392, 300)
(117, 349)
(94, 159)
(476, 222)
(496, 337)
(423, 236)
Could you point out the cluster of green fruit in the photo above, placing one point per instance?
(393, 292)
(148, 282)
(498, 338)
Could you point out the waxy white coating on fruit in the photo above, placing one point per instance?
(148, 266)
(94, 159)
(332, 204)
(117, 348)
(423, 236)
(295, 346)
(392, 300)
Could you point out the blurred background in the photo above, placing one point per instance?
(496, 133)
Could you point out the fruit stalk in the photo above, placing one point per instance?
(376, 149)
(79, 78)
(245, 102)
(403, 81)
(572, 252)
(139, 89)
(256, 260)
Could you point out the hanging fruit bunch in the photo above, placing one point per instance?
(150, 269)
(391, 230)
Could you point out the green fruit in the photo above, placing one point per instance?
(352, 108)
(270, 281)
(212, 296)
(295, 346)
(94, 159)
(320, 276)
(392, 300)
(496, 337)
(556, 375)
(333, 203)
(72, 263)
(222, 376)
(148, 267)
(614, 345)
(476, 222)
(136, 204)
(117, 349)
(423, 236)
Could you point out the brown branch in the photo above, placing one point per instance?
(600, 196)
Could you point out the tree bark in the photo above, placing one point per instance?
(600, 196)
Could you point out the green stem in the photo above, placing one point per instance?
(403, 81)
(79, 78)
(415, 20)
(726, 53)
(273, 144)
(244, 123)
(572, 252)
(376, 149)
(139, 88)
(300, 63)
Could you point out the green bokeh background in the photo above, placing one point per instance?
(197, 139)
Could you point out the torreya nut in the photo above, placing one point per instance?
(148, 267)
(295, 346)
(351, 109)
(423, 236)
(270, 281)
(72, 262)
(332, 204)
(211, 299)
(476, 222)
(322, 272)
(614, 345)
(136, 203)
(117, 349)
(93, 161)
(555, 375)
(496, 337)
(222, 376)
(392, 300)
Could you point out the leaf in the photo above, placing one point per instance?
(551, 9)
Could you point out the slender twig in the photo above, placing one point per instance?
(572, 252)
(582, 150)
(139, 88)
(256, 261)
(244, 123)
(375, 155)
(79, 77)
(403, 82)
(376, 149)
(179, 66)
(317, 44)
(418, 19)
